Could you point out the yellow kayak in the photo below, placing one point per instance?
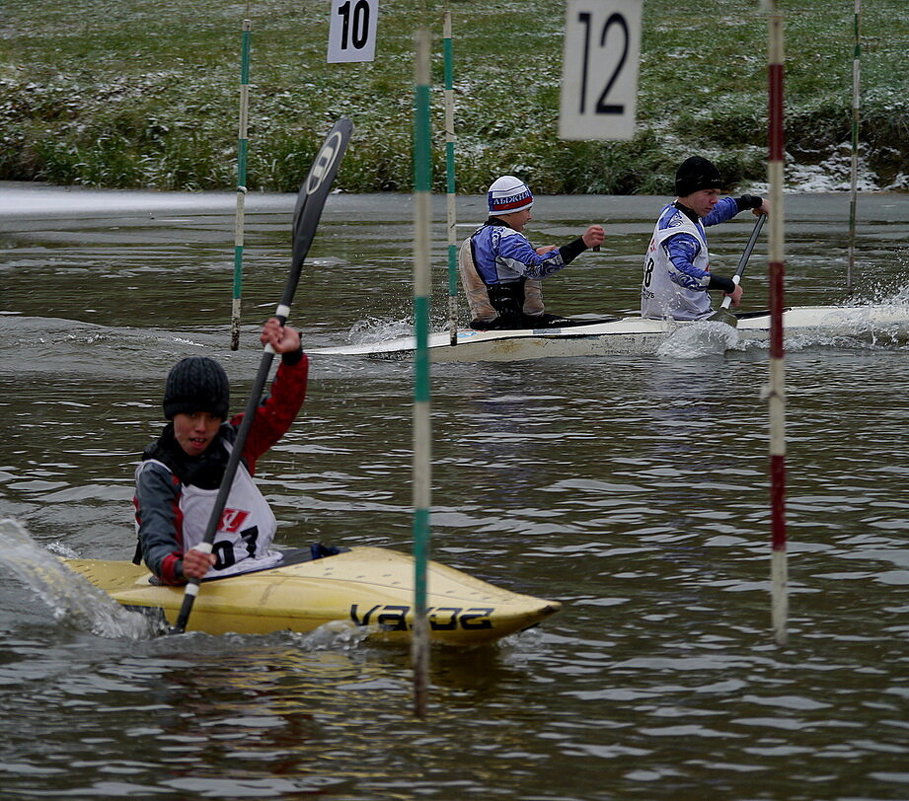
(370, 587)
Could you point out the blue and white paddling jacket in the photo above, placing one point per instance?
(175, 493)
(502, 275)
(503, 255)
(677, 263)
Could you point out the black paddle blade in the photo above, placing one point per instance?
(723, 315)
(311, 199)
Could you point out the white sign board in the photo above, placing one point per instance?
(352, 30)
(600, 69)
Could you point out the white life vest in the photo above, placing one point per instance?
(246, 531)
(665, 291)
(478, 297)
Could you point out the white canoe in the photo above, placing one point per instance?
(365, 586)
(885, 324)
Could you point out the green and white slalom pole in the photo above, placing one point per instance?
(777, 384)
(856, 107)
(242, 152)
(422, 434)
(450, 182)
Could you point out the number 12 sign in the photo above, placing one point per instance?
(352, 30)
(600, 69)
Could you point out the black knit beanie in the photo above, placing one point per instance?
(197, 384)
(694, 174)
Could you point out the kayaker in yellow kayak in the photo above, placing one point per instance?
(178, 478)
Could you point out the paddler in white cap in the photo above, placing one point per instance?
(502, 271)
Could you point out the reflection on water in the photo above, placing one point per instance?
(633, 488)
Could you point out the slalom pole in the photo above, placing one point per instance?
(777, 383)
(422, 435)
(242, 151)
(450, 187)
(856, 105)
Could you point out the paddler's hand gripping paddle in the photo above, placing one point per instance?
(723, 315)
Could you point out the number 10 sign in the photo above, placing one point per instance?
(352, 30)
(600, 69)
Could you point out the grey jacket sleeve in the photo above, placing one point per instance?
(157, 520)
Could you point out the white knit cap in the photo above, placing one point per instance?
(507, 195)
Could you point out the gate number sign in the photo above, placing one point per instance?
(600, 69)
(352, 30)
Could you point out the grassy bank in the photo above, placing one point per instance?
(145, 94)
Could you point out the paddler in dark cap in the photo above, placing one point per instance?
(178, 478)
(677, 272)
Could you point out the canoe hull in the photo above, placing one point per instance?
(365, 586)
(632, 335)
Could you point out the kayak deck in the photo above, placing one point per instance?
(367, 586)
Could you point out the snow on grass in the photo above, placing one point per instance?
(84, 98)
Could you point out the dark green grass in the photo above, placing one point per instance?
(145, 94)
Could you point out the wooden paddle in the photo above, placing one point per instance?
(723, 315)
(308, 210)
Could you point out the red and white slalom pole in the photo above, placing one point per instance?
(777, 383)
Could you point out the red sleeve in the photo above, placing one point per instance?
(278, 410)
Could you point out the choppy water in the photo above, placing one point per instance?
(633, 488)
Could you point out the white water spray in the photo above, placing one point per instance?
(704, 338)
(69, 596)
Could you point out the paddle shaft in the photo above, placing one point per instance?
(746, 254)
(307, 212)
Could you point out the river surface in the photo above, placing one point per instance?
(632, 488)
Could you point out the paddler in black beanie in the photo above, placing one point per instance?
(677, 272)
(178, 478)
